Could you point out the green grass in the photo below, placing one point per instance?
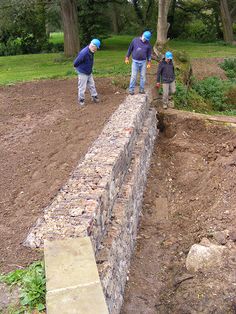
(56, 38)
(109, 61)
(204, 50)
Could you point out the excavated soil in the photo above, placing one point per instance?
(190, 195)
(43, 135)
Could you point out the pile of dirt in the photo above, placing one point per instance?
(43, 135)
(190, 197)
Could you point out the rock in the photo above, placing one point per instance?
(232, 235)
(220, 237)
(204, 257)
(8, 296)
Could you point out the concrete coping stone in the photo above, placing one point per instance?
(73, 284)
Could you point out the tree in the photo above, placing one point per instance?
(162, 24)
(226, 21)
(70, 26)
(23, 26)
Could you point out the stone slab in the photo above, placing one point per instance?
(80, 300)
(69, 262)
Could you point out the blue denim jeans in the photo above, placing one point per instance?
(138, 66)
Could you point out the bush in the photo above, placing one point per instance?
(189, 99)
(229, 65)
(12, 47)
(197, 30)
(231, 98)
(213, 90)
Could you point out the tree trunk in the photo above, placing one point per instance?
(114, 18)
(171, 18)
(162, 25)
(70, 25)
(226, 21)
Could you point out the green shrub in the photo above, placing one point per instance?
(197, 30)
(231, 98)
(188, 99)
(212, 89)
(11, 47)
(229, 66)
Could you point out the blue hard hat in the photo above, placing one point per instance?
(96, 42)
(169, 55)
(147, 35)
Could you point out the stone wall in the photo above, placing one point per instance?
(103, 197)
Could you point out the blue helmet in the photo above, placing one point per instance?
(96, 42)
(169, 55)
(147, 35)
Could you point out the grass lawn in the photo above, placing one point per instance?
(109, 61)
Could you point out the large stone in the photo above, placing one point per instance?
(204, 257)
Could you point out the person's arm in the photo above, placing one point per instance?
(149, 53)
(79, 59)
(131, 47)
(159, 72)
(149, 56)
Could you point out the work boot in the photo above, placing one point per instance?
(81, 102)
(164, 106)
(95, 99)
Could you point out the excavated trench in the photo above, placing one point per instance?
(190, 199)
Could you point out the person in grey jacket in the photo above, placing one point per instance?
(84, 67)
(166, 74)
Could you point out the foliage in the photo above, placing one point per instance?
(32, 283)
(188, 99)
(197, 30)
(22, 27)
(93, 22)
(229, 65)
(213, 90)
(231, 97)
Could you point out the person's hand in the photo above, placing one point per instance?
(126, 60)
(148, 65)
(158, 85)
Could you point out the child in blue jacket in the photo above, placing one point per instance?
(166, 74)
(84, 66)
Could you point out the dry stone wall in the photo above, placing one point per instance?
(103, 196)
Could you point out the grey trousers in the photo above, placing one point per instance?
(168, 89)
(84, 81)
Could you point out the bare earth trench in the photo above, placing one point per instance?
(190, 195)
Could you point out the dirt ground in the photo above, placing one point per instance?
(190, 195)
(43, 135)
(206, 67)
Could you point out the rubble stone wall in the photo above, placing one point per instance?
(103, 196)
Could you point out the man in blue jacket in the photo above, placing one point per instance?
(141, 51)
(84, 66)
(166, 74)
